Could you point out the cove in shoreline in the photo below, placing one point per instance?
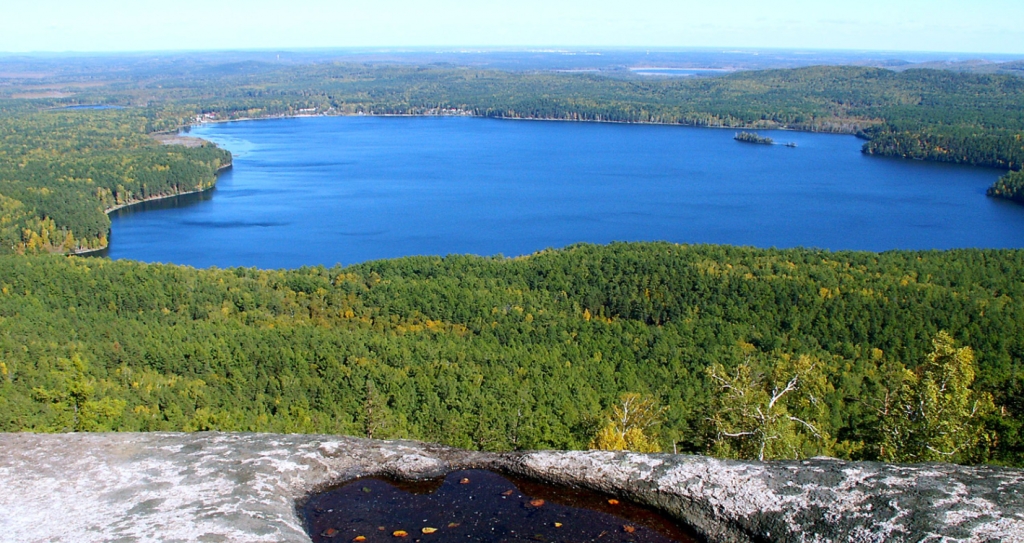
(176, 199)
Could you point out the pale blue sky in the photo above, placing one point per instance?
(984, 26)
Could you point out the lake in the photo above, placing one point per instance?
(326, 190)
(680, 72)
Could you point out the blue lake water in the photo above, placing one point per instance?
(328, 190)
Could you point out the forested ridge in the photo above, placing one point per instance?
(60, 168)
(530, 352)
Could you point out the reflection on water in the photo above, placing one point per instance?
(173, 202)
(476, 505)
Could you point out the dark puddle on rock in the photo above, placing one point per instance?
(476, 505)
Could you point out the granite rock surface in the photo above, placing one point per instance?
(217, 487)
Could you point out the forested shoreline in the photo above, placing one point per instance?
(1010, 186)
(60, 171)
(59, 168)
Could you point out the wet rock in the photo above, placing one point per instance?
(244, 487)
(805, 501)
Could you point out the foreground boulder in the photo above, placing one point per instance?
(245, 487)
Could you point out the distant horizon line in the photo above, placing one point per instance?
(473, 49)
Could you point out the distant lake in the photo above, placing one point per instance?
(92, 106)
(326, 190)
(680, 72)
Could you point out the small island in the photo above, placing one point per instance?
(751, 137)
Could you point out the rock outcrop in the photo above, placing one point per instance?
(244, 487)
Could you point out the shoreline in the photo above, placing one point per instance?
(110, 210)
(855, 133)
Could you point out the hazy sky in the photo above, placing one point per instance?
(992, 26)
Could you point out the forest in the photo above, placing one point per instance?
(531, 352)
(61, 167)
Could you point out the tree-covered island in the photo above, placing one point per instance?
(752, 137)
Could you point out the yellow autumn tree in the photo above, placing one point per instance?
(632, 425)
(77, 398)
(936, 415)
(771, 410)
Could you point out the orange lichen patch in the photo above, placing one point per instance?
(381, 528)
(508, 492)
(558, 525)
(428, 530)
(330, 532)
(613, 501)
(359, 538)
(628, 529)
(537, 502)
(464, 481)
(453, 524)
(400, 533)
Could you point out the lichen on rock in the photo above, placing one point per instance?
(246, 487)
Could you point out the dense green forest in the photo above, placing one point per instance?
(59, 171)
(500, 353)
(60, 168)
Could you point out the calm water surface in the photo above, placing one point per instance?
(480, 506)
(329, 190)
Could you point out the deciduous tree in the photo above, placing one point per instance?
(935, 415)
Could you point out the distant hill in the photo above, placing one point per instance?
(973, 66)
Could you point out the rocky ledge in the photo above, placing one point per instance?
(246, 487)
